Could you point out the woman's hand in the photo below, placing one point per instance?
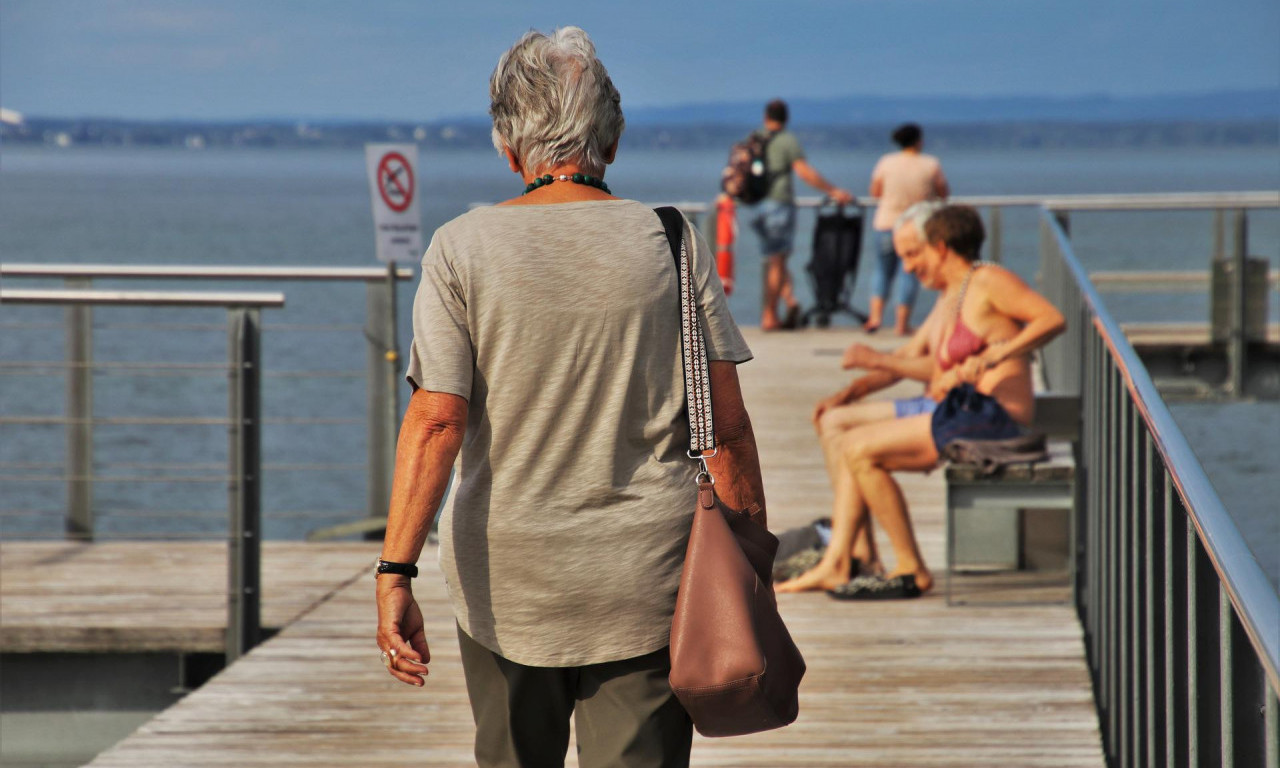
(401, 634)
(972, 369)
(944, 383)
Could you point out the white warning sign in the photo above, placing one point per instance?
(393, 186)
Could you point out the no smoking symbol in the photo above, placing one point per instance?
(395, 181)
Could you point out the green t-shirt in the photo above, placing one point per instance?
(783, 150)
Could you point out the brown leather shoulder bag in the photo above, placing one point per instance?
(734, 666)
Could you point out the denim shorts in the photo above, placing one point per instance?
(913, 406)
(775, 223)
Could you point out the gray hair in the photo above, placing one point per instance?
(918, 214)
(552, 102)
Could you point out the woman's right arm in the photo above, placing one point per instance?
(430, 437)
(736, 465)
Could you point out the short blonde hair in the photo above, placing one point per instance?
(552, 102)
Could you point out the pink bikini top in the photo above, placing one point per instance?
(964, 343)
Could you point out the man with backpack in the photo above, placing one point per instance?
(759, 174)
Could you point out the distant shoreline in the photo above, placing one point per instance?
(1011, 134)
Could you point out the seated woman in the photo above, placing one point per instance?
(991, 321)
(848, 408)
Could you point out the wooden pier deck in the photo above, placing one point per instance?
(154, 596)
(889, 685)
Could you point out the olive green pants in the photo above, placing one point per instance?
(624, 713)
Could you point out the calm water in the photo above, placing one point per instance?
(311, 207)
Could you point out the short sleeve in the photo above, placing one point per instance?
(724, 340)
(939, 178)
(441, 356)
(794, 150)
(878, 171)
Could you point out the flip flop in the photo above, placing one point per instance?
(801, 563)
(878, 588)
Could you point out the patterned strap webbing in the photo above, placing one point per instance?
(693, 347)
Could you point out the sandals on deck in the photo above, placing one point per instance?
(878, 588)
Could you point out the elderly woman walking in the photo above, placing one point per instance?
(547, 351)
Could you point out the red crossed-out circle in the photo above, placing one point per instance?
(395, 181)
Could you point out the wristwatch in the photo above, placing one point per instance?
(399, 569)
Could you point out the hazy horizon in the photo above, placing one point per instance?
(409, 61)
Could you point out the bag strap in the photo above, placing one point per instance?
(693, 347)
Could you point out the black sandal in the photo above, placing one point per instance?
(878, 588)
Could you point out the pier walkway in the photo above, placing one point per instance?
(912, 683)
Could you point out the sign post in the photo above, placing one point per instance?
(393, 187)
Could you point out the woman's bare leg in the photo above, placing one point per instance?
(850, 524)
(906, 444)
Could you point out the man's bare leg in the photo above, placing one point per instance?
(831, 429)
(847, 516)
(774, 282)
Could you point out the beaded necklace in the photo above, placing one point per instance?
(577, 178)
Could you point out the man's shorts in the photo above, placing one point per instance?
(775, 223)
(913, 406)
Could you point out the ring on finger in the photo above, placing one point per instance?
(386, 660)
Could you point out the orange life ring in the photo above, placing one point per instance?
(726, 233)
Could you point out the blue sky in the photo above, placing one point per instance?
(230, 59)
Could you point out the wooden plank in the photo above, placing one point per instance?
(130, 596)
(900, 684)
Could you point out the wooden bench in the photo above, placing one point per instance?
(1005, 523)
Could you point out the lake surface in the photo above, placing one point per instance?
(311, 207)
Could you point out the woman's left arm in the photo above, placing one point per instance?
(1008, 295)
(736, 465)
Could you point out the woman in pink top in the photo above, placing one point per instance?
(900, 180)
(980, 336)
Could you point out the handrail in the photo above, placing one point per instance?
(1087, 202)
(186, 272)
(1247, 586)
(141, 298)
(1159, 280)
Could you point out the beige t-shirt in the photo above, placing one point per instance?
(564, 536)
(908, 178)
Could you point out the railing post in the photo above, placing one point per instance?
(1237, 347)
(995, 235)
(1272, 725)
(383, 390)
(79, 355)
(244, 352)
(1219, 234)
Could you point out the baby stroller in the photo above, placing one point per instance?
(837, 244)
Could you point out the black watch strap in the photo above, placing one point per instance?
(399, 569)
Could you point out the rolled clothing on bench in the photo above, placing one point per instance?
(967, 414)
(913, 406)
(993, 455)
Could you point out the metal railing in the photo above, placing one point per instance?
(1182, 627)
(244, 420)
(1170, 201)
(382, 371)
